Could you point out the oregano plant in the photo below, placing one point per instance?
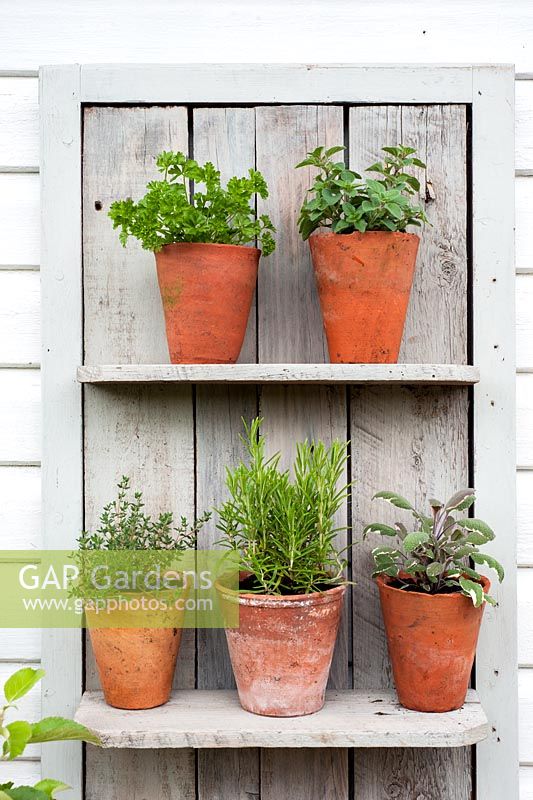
(189, 204)
(18, 734)
(342, 200)
(434, 555)
(282, 526)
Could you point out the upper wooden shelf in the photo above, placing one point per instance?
(445, 374)
(201, 718)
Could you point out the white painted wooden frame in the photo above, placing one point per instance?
(489, 90)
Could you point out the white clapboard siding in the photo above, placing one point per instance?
(525, 712)
(526, 783)
(19, 219)
(20, 508)
(525, 616)
(20, 644)
(524, 320)
(19, 131)
(20, 416)
(524, 222)
(524, 485)
(524, 125)
(524, 420)
(23, 772)
(59, 31)
(20, 334)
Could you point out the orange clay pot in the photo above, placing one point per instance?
(207, 292)
(281, 652)
(432, 643)
(135, 665)
(364, 281)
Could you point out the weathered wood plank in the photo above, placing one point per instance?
(151, 774)
(494, 420)
(412, 440)
(447, 374)
(225, 136)
(62, 411)
(131, 430)
(413, 774)
(290, 330)
(439, 288)
(215, 719)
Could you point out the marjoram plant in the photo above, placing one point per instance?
(17, 735)
(342, 200)
(433, 555)
(282, 528)
(176, 208)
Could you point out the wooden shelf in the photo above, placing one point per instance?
(425, 374)
(213, 719)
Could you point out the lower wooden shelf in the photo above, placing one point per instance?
(212, 719)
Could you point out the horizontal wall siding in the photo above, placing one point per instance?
(20, 416)
(524, 482)
(19, 219)
(20, 317)
(524, 125)
(59, 31)
(19, 128)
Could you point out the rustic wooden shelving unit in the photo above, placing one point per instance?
(422, 427)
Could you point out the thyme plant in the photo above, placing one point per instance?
(342, 200)
(433, 555)
(140, 542)
(283, 527)
(171, 212)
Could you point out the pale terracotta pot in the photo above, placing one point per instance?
(281, 651)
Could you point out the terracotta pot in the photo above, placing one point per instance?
(364, 281)
(432, 643)
(281, 652)
(136, 665)
(207, 292)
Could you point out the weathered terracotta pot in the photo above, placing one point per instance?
(364, 281)
(281, 652)
(136, 665)
(207, 292)
(432, 643)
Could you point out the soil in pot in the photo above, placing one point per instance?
(364, 281)
(282, 650)
(207, 292)
(136, 665)
(432, 643)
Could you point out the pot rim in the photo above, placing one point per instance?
(383, 583)
(215, 245)
(283, 600)
(317, 234)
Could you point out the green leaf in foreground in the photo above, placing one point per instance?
(20, 683)
(58, 729)
(19, 736)
(51, 787)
